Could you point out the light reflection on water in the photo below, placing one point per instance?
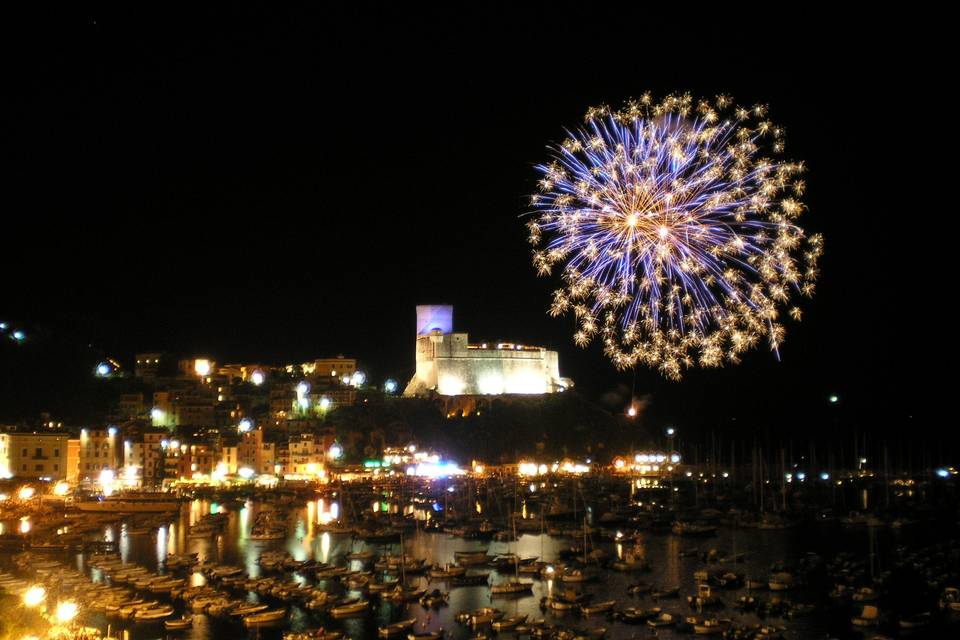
(306, 541)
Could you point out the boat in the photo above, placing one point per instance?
(664, 619)
(149, 615)
(248, 609)
(484, 615)
(504, 624)
(178, 624)
(130, 504)
(430, 635)
(511, 587)
(396, 628)
(598, 607)
(265, 618)
(869, 617)
(693, 529)
(632, 615)
(351, 609)
(710, 627)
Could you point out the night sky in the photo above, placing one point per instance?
(283, 187)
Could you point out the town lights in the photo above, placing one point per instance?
(106, 481)
(943, 473)
(245, 472)
(245, 425)
(335, 451)
(18, 335)
(257, 377)
(201, 366)
(390, 386)
(358, 378)
(324, 403)
(824, 476)
(632, 411)
(26, 493)
(103, 369)
(66, 611)
(671, 431)
(158, 415)
(61, 489)
(834, 399)
(34, 595)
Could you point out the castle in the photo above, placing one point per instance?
(448, 365)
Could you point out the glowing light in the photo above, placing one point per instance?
(34, 595)
(674, 458)
(358, 378)
(675, 232)
(632, 411)
(3, 326)
(257, 377)
(107, 481)
(25, 524)
(26, 492)
(824, 476)
(943, 473)
(112, 431)
(66, 611)
(157, 414)
(244, 425)
(390, 386)
(245, 472)
(435, 470)
(61, 489)
(834, 399)
(325, 403)
(18, 335)
(103, 369)
(303, 388)
(335, 451)
(670, 431)
(801, 476)
(201, 366)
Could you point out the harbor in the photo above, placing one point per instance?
(462, 558)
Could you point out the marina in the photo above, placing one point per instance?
(248, 567)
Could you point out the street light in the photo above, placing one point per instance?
(34, 596)
(66, 611)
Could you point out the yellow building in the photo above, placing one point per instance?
(34, 455)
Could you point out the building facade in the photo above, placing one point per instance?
(449, 365)
(34, 455)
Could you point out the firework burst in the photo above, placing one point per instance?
(674, 230)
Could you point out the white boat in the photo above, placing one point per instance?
(353, 609)
(178, 624)
(265, 618)
(148, 615)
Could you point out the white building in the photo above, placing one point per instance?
(447, 364)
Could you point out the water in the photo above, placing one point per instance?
(306, 541)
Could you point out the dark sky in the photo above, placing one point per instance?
(284, 186)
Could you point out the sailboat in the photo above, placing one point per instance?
(515, 586)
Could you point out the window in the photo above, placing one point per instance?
(39, 453)
(38, 467)
(24, 467)
(56, 467)
(56, 453)
(24, 453)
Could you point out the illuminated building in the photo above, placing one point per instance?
(34, 455)
(144, 458)
(448, 365)
(148, 365)
(99, 449)
(254, 453)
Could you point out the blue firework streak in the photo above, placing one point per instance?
(675, 230)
